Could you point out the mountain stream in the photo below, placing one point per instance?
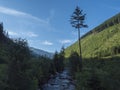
(62, 81)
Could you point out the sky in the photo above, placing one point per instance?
(45, 23)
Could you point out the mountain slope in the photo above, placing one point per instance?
(102, 41)
(39, 52)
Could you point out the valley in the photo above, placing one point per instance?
(91, 63)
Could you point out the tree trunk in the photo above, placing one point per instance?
(79, 39)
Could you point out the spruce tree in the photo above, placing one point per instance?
(77, 21)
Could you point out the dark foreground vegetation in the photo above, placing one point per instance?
(97, 74)
(101, 57)
(19, 69)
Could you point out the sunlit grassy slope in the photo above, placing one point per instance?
(100, 42)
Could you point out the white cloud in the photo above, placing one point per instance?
(22, 34)
(11, 11)
(29, 34)
(11, 33)
(14, 12)
(47, 43)
(65, 41)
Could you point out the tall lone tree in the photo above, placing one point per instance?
(77, 21)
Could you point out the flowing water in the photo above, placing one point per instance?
(62, 81)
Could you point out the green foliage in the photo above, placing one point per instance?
(62, 58)
(74, 63)
(3, 35)
(77, 18)
(108, 23)
(87, 80)
(19, 70)
(101, 53)
(1, 32)
(18, 66)
(99, 74)
(102, 44)
(42, 68)
(56, 62)
(59, 60)
(3, 76)
(102, 41)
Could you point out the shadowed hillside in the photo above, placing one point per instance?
(101, 57)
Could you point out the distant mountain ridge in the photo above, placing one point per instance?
(39, 52)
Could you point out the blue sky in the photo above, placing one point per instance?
(45, 23)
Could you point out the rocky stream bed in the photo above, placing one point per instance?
(61, 81)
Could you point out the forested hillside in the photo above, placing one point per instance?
(102, 41)
(101, 57)
(19, 69)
